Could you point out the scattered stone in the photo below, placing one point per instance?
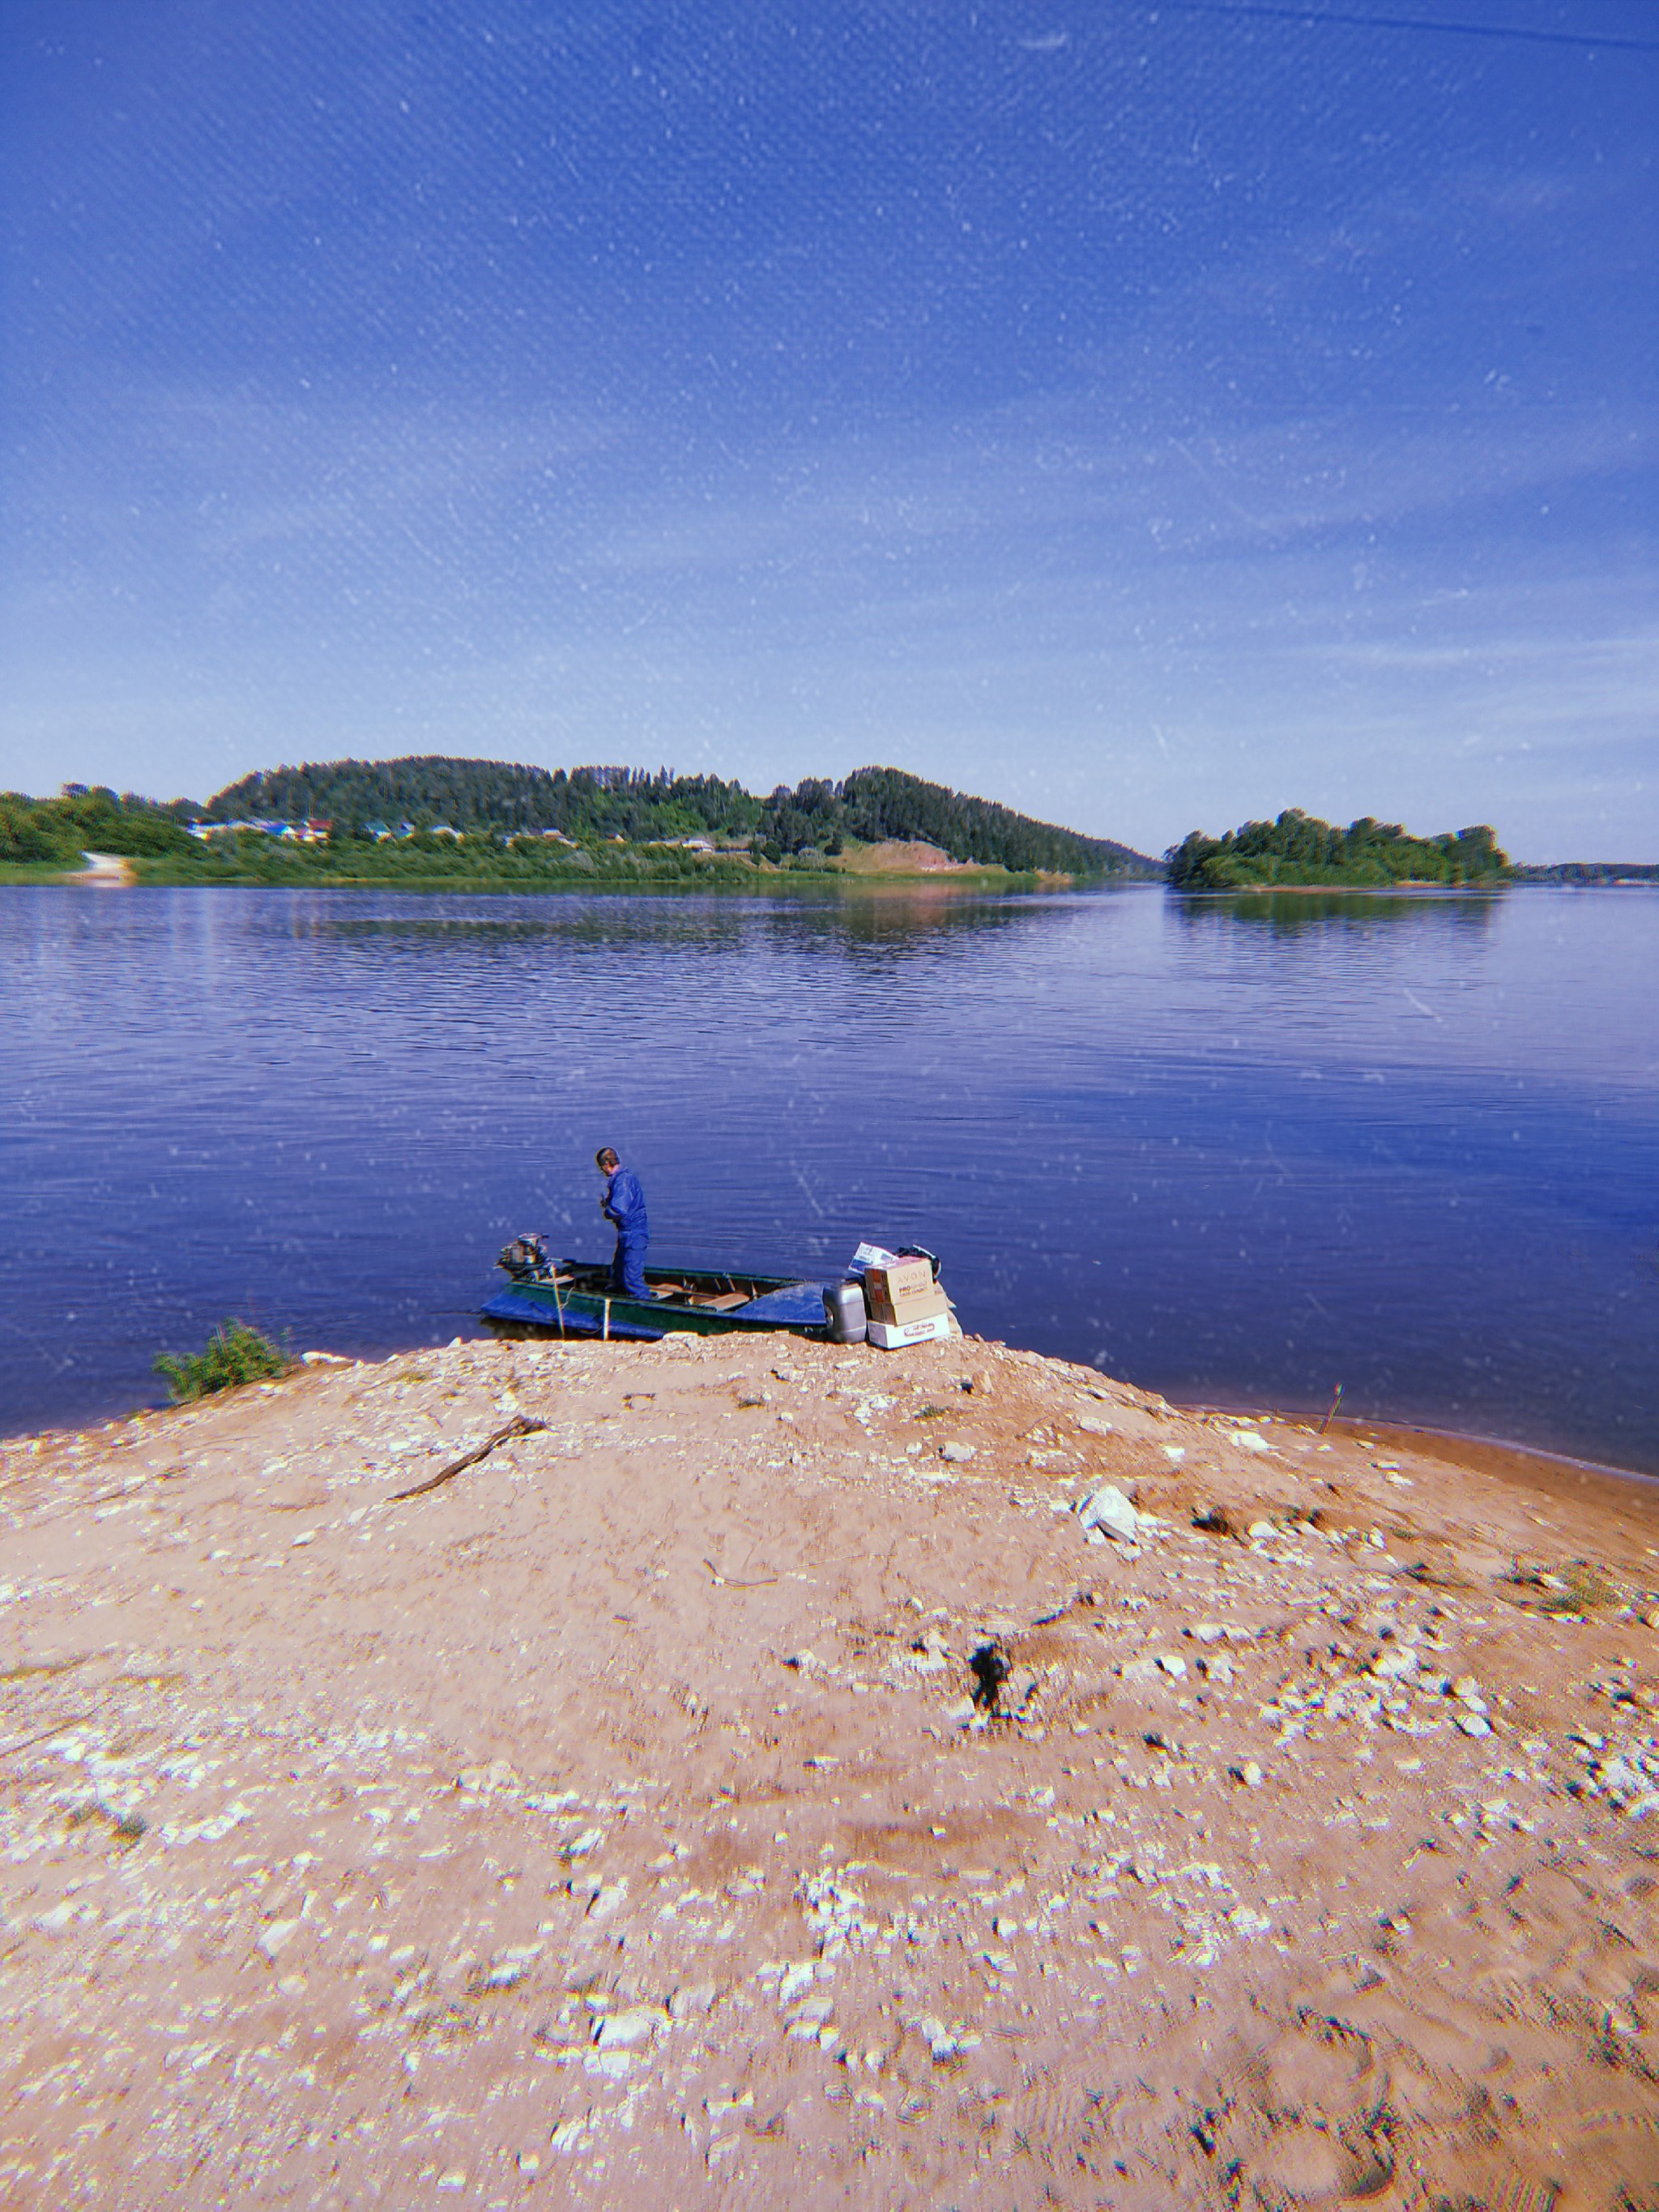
(945, 2043)
(276, 1938)
(509, 1968)
(486, 1781)
(1619, 1778)
(1107, 1510)
(958, 1454)
(808, 2016)
(621, 2031)
(927, 1656)
(722, 2108)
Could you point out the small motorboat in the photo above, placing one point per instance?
(573, 1298)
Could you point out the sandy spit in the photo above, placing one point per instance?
(615, 1823)
(109, 871)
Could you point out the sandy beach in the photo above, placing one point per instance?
(629, 1814)
(109, 871)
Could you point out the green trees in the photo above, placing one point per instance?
(603, 821)
(620, 824)
(1299, 848)
(31, 836)
(471, 796)
(878, 804)
(592, 804)
(57, 831)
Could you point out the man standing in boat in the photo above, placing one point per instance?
(623, 1207)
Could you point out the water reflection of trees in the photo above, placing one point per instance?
(1288, 913)
(520, 925)
(910, 918)
(855, 921)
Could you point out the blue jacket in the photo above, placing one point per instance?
(625, 1205)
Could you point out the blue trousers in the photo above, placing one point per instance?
(628, 1267)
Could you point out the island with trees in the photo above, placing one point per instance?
(1297, 851)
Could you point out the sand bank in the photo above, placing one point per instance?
(112, 871)
(617, 1817)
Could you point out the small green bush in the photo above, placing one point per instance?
(235, 1353)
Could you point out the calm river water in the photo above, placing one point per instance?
(1236, 1152)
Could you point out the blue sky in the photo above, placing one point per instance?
(1149, 416)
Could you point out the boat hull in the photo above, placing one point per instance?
(772, 1303)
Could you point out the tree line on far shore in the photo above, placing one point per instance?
(818, 819)
(1298, 848)
(479, 798)
(55, 833)
(500, 808)
(607, 815)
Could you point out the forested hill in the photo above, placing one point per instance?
(431, 788)
(1298, 848)
(870, 806)
(878, 804)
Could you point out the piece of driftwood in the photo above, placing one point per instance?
(58, 1727)
(732, 1582)
(521, 1424)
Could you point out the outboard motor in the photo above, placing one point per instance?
(844, 1310)
(526, 1259)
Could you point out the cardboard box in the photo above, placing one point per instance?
(893, 1336)
(897, 1280)
(917, 1305)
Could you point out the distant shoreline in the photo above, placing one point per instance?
(1412, 884)
(120, 872)
(141, 876)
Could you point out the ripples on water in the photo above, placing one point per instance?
(1232, 1150)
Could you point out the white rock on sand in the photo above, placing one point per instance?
(619, 1808)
